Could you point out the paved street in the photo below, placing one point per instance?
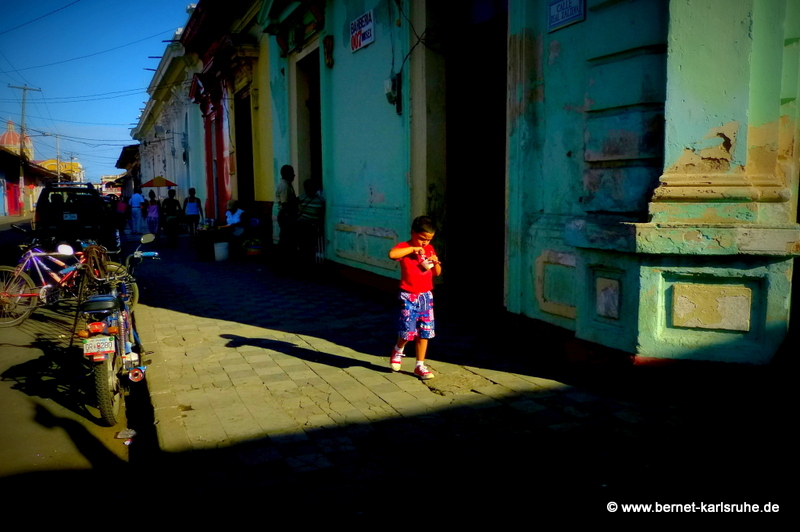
(271, 388)
(48, 434)
(44, 423)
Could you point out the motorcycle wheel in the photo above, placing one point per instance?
(14, 309)
(108, 386)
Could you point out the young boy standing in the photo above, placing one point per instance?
(418, 266)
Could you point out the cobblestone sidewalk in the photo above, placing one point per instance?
(264, 383)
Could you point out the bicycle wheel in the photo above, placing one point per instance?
(108, 387)
(17, 301)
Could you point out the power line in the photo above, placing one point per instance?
(52, 102)
(38, 18)
(87, 56)
(99, 96)
(83, 140)
(102, 95)
(126, 124)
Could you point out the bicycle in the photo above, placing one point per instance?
(44, 278)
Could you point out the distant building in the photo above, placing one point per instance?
(10, 140)
(111, 184)
(70, 170)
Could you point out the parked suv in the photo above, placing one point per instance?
(74, 211)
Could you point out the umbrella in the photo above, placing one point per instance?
(158, 181)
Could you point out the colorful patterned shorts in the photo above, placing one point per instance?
(416, 316)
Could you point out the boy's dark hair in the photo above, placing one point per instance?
(423, 224)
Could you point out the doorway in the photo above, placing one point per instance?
(307, 140)
(476, 150)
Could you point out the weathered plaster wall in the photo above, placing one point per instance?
(526, 92)
(263, 142)
(365, 141)
(196, 149)
(652, 174)
(279, 101)
(585, 149)
(724, 216)
(365, 145)
(731, 113)
(709, 66)
(736, 313)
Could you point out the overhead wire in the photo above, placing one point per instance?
(99, 96)
(42, 102)
(89, 55)
(39, 18)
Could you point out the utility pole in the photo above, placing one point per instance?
(22, 190)
(58, 153)
(58, 157)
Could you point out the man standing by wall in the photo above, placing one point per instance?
(287, 211)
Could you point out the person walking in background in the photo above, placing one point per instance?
(137, 214)
(153, 210)
(121, 214)
(171, 213)
(193, 210)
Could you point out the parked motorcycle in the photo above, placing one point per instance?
(110, 341)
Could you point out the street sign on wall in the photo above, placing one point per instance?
(562, 13)
(362, 31)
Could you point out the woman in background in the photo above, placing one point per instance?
(193, 210)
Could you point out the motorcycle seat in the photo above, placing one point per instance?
(99, 302)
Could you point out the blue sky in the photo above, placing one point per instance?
(89, 58)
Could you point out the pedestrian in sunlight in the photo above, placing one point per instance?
(418, 266)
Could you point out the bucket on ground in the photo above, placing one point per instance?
(220, 251)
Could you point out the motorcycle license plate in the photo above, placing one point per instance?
(99, 345)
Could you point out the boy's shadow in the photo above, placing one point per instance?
(294, 350)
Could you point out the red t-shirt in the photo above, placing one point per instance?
(414, 277)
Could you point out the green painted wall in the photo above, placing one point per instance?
(365, 142)
(585, 151)
(652, 174)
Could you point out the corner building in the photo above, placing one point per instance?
(623, 169)
(652, 174)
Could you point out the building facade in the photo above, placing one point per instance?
(624, 170)
(169, 130)
(231, 90)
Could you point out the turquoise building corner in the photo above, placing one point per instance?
(652, 150)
